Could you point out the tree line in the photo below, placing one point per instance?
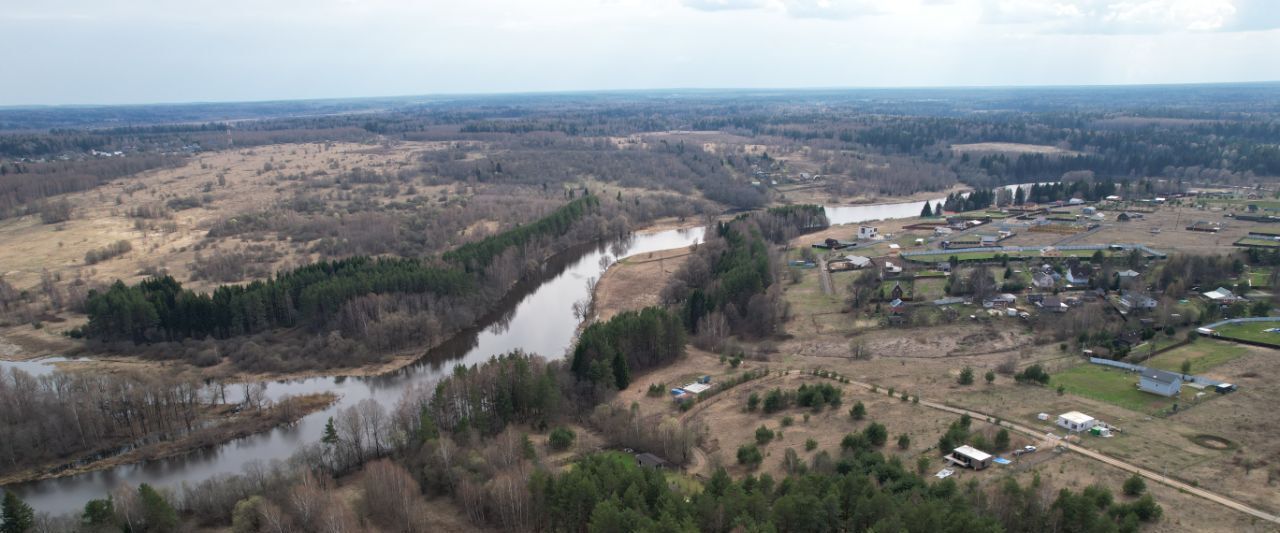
(607, 353)
(160, 309)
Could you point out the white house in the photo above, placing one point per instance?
(868, 232)
(1076, 421)
(894, 249)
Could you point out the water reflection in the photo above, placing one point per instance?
(535, 317)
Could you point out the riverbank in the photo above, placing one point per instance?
(236, 424)
(635, 282)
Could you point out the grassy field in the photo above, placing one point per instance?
(1264, 230)
(1204, 354)
(1251, 331)
(930, 288)
(1258, 278)
(1109, 385)
(1257, 242)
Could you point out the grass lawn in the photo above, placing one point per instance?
(1257, 242)
(1258, 278)
(1274, 232)
(1110, 385)
(930, 288)
(1251, 331)
(685, 484)
(1204, 354)
(1160, 341)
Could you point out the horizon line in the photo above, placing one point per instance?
(552, 92)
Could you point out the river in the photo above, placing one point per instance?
(536, 317)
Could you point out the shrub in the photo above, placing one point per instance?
(656, 389)
(749, 455)
(904, 441)
(858, 411)
(966, 376)
(1033, 374)
(753, 402)
(990, 376)
(1134, 486)
(876, 434)
(763, 435)
(1002, 440)
(810, 445)
(561, 438)
(118, 248)
(854, 442)
(787, 421)
(55, 212)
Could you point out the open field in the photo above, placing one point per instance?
(1110, 385)
(1012, 148)
(221, 184)
(1252, 332)
(635, 282)
(1204, 355)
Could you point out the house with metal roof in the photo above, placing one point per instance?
(969, 457)
(1160, 382)
(1076, 421)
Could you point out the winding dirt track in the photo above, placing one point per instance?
(1211, 496)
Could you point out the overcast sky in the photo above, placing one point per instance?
(140, 51)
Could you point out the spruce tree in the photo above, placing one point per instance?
(330, 433)
(17, 515)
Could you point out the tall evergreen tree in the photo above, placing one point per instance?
(16, 514)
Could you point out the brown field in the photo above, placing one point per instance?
(635, 282)
(101, 214)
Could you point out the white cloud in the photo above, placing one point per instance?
(1124, 16)
(726, 5)
(816, 9)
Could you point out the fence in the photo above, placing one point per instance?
(1139, 368)
(1007, 249)
(1242, 321)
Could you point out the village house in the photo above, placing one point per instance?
(1053, 304)
(1075, 421)
(1160, 382)
(868, 232)
(1079, 275)
(1137, 301)
(969, 457)
(1222, 295)
(857, 261)
(1043, 280)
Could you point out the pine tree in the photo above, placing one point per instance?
(17, 515)
(330, 433)
(157, 514)
(927, 211)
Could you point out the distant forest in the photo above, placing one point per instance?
(885, 142)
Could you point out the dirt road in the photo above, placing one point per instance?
(824, 276)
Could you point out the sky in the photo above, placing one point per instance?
(150, 51)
